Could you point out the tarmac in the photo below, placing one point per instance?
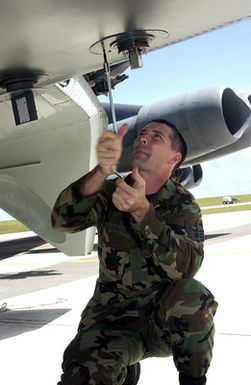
(36, 327)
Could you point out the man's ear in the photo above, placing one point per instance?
(176, 158)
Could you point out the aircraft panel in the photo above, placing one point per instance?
(53, 38)
(39, 160)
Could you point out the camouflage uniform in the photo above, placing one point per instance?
(146, 301)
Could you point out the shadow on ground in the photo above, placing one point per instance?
(29, 274)
(15, 322)
(17, 246)
(215, 235)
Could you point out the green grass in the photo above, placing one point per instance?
(12, 227)
(215, 201)
(227, 209)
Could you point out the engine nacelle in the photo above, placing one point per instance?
(191, 176)
(208, 120)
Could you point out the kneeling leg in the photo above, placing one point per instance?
(99, 356)
(186, 311)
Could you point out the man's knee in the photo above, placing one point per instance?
(188, 288)
(197, 301)
(187, 300)
(187, 311)
(76, 371)
(83, 375)
(94, 373)
(86, 363)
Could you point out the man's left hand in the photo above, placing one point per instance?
(132, 199)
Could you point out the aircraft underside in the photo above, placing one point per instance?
(51, 71)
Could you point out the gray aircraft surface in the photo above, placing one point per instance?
(214, 122)
(52, 56)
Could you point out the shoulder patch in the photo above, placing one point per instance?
(195, 233)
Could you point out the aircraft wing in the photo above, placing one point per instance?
(52, 38)
(44, 42)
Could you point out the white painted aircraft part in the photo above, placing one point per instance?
(26, 206)
(45, 156)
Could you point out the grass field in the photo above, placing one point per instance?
(217, 201)
(16, 227)
(228, 209)
(214, 201)
(12, 227)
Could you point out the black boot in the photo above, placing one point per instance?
(133, 373)
(189, 380)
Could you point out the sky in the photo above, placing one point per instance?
(218, 58)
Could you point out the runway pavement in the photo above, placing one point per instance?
(42, 294)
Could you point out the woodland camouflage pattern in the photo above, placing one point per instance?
(146, 302)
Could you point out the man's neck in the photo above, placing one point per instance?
(153, 182)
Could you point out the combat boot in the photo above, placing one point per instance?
(189, 380)
(133, 373)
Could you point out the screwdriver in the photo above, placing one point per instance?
(112, 107)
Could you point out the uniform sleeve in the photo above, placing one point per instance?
(177, 247)
(74, 212)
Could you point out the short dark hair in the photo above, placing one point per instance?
(177, 140)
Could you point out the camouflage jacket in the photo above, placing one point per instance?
(136, 259)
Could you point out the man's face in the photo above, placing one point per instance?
(152, 150)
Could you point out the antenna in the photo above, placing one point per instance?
(112, 107)
(109, 83)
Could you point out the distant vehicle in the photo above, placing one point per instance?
(229, 200)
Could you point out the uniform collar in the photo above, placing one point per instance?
(166, 191)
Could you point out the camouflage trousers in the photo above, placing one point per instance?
(179, 323)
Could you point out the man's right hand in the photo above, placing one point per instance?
(109, 149)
